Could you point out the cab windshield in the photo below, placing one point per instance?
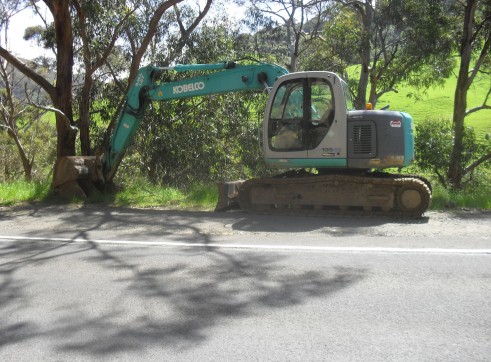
(301, 114)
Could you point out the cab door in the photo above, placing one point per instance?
(285, 133)
(299, 119)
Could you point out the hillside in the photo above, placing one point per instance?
(437, 103)
(18, 79)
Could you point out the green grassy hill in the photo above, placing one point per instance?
(437, 102)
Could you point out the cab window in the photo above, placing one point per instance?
(301, 114)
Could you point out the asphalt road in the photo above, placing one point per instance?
(120, 284)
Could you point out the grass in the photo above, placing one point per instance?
(445, 199)
(12, 193)
(142, 194)
(437, 102)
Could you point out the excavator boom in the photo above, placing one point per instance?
(78, 175)
(227, 77)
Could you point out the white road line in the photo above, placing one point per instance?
(333, 249)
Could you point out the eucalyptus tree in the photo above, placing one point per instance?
(473, 40)
(200, 139)
(397, 41)
(301, 20)
(16, 117)
(90, 31)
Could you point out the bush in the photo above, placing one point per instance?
(433, 144)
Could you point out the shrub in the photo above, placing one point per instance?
(434, 142)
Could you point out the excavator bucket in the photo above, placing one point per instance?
(228, 195)
(77, 176)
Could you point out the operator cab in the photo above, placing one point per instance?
(305, 121)
(310, 123)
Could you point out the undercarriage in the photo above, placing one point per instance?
(299, 192)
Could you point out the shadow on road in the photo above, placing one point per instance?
(170, 222)
(156, 303)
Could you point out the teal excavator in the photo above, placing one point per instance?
(334, 156)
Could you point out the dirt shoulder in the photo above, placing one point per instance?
(104, 221)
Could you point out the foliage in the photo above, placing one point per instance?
(473, 42)
(476, 195)
(434, 142)
(38, 141)
(25, 129)
(394, 43)
(336, 50)
(203, 139)
(200, 139)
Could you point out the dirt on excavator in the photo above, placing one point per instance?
(304, 193)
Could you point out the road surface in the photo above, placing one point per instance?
(90, 283)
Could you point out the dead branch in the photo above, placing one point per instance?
(49, 109)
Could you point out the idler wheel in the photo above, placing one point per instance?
(413, 198)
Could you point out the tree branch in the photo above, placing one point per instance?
(114, 38)
(28, 72)
(185, 32)
(476, 109)
(481, 107)
(476, 163)
(49, 109)
(480, 60)
(152, 29)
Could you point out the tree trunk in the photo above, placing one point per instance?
(64, 78)
(373, 89)
(366, 13)
(84, 114)
(455, 173)
(26, 164)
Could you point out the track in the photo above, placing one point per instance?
(376, 193)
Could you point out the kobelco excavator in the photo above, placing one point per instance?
(334, 155)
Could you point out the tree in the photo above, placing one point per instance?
(398, 41)
(97, 39)
(60, 93)
(147, 33)
(365, 11)
(14, 111)
(94, 28)
(301, 19)
(474, 49)
(209, 138)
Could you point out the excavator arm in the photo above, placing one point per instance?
(224, 77)
(79, 175)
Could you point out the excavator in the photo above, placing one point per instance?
(334, 156)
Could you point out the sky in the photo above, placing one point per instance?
(28, 49)
(19, 46)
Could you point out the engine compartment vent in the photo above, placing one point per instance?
(362, 139)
